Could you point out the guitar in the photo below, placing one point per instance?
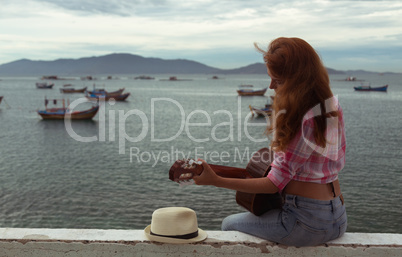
(258, 166)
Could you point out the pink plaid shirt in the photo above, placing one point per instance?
(305, 161)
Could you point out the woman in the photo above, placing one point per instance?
(309, 151)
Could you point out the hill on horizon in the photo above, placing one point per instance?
(122, 63)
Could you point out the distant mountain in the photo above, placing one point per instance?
(363, 72)
(108, 64)
(256, 68)
(120, 63)
(332, 71)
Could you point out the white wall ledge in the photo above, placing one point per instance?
(93, 242)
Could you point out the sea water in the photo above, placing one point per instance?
(112, 172)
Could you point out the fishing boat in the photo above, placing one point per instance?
(44, 85)
(104, 92)
(72, 90)
(246, 90)
(174, 78)
(65, 112)
(50, 77)
(349, 79)
(369, 88)
(88, 78)
(265, 111)
(143, 77)
(96, 97)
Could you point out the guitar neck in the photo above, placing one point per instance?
(184, 170)
(230, 172)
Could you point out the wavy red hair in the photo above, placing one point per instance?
(303, 83)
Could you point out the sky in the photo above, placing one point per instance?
(348, 35)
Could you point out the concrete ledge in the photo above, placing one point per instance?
(92, 242)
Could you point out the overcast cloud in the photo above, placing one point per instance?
(220, 33)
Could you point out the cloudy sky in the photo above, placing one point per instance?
(219, 33)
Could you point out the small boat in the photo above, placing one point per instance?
(104, 92)
(50, 77)
(72, 90)
(264, 111)
(143, 77)
(87, 78)
(44, 85)
(60, 113)
(174, 78)
(97, 91)
(369, 88)
(96, 97)
(251, 92)
(1, 98)
(350, 79)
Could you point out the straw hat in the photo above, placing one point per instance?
(174, 225)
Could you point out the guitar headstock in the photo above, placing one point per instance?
(184, 170)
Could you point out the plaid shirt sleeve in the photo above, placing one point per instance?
(305, 161)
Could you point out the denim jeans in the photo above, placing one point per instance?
(301, 222)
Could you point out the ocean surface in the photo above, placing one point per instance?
(112, 172)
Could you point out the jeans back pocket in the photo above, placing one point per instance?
(303, 235)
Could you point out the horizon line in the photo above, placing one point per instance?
(183, 59)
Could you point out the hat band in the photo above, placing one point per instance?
(186, 236)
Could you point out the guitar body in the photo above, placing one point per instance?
(258, 204)
(258, 166)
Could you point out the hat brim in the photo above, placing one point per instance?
(202, 235)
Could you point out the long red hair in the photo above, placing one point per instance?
(303, 83)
